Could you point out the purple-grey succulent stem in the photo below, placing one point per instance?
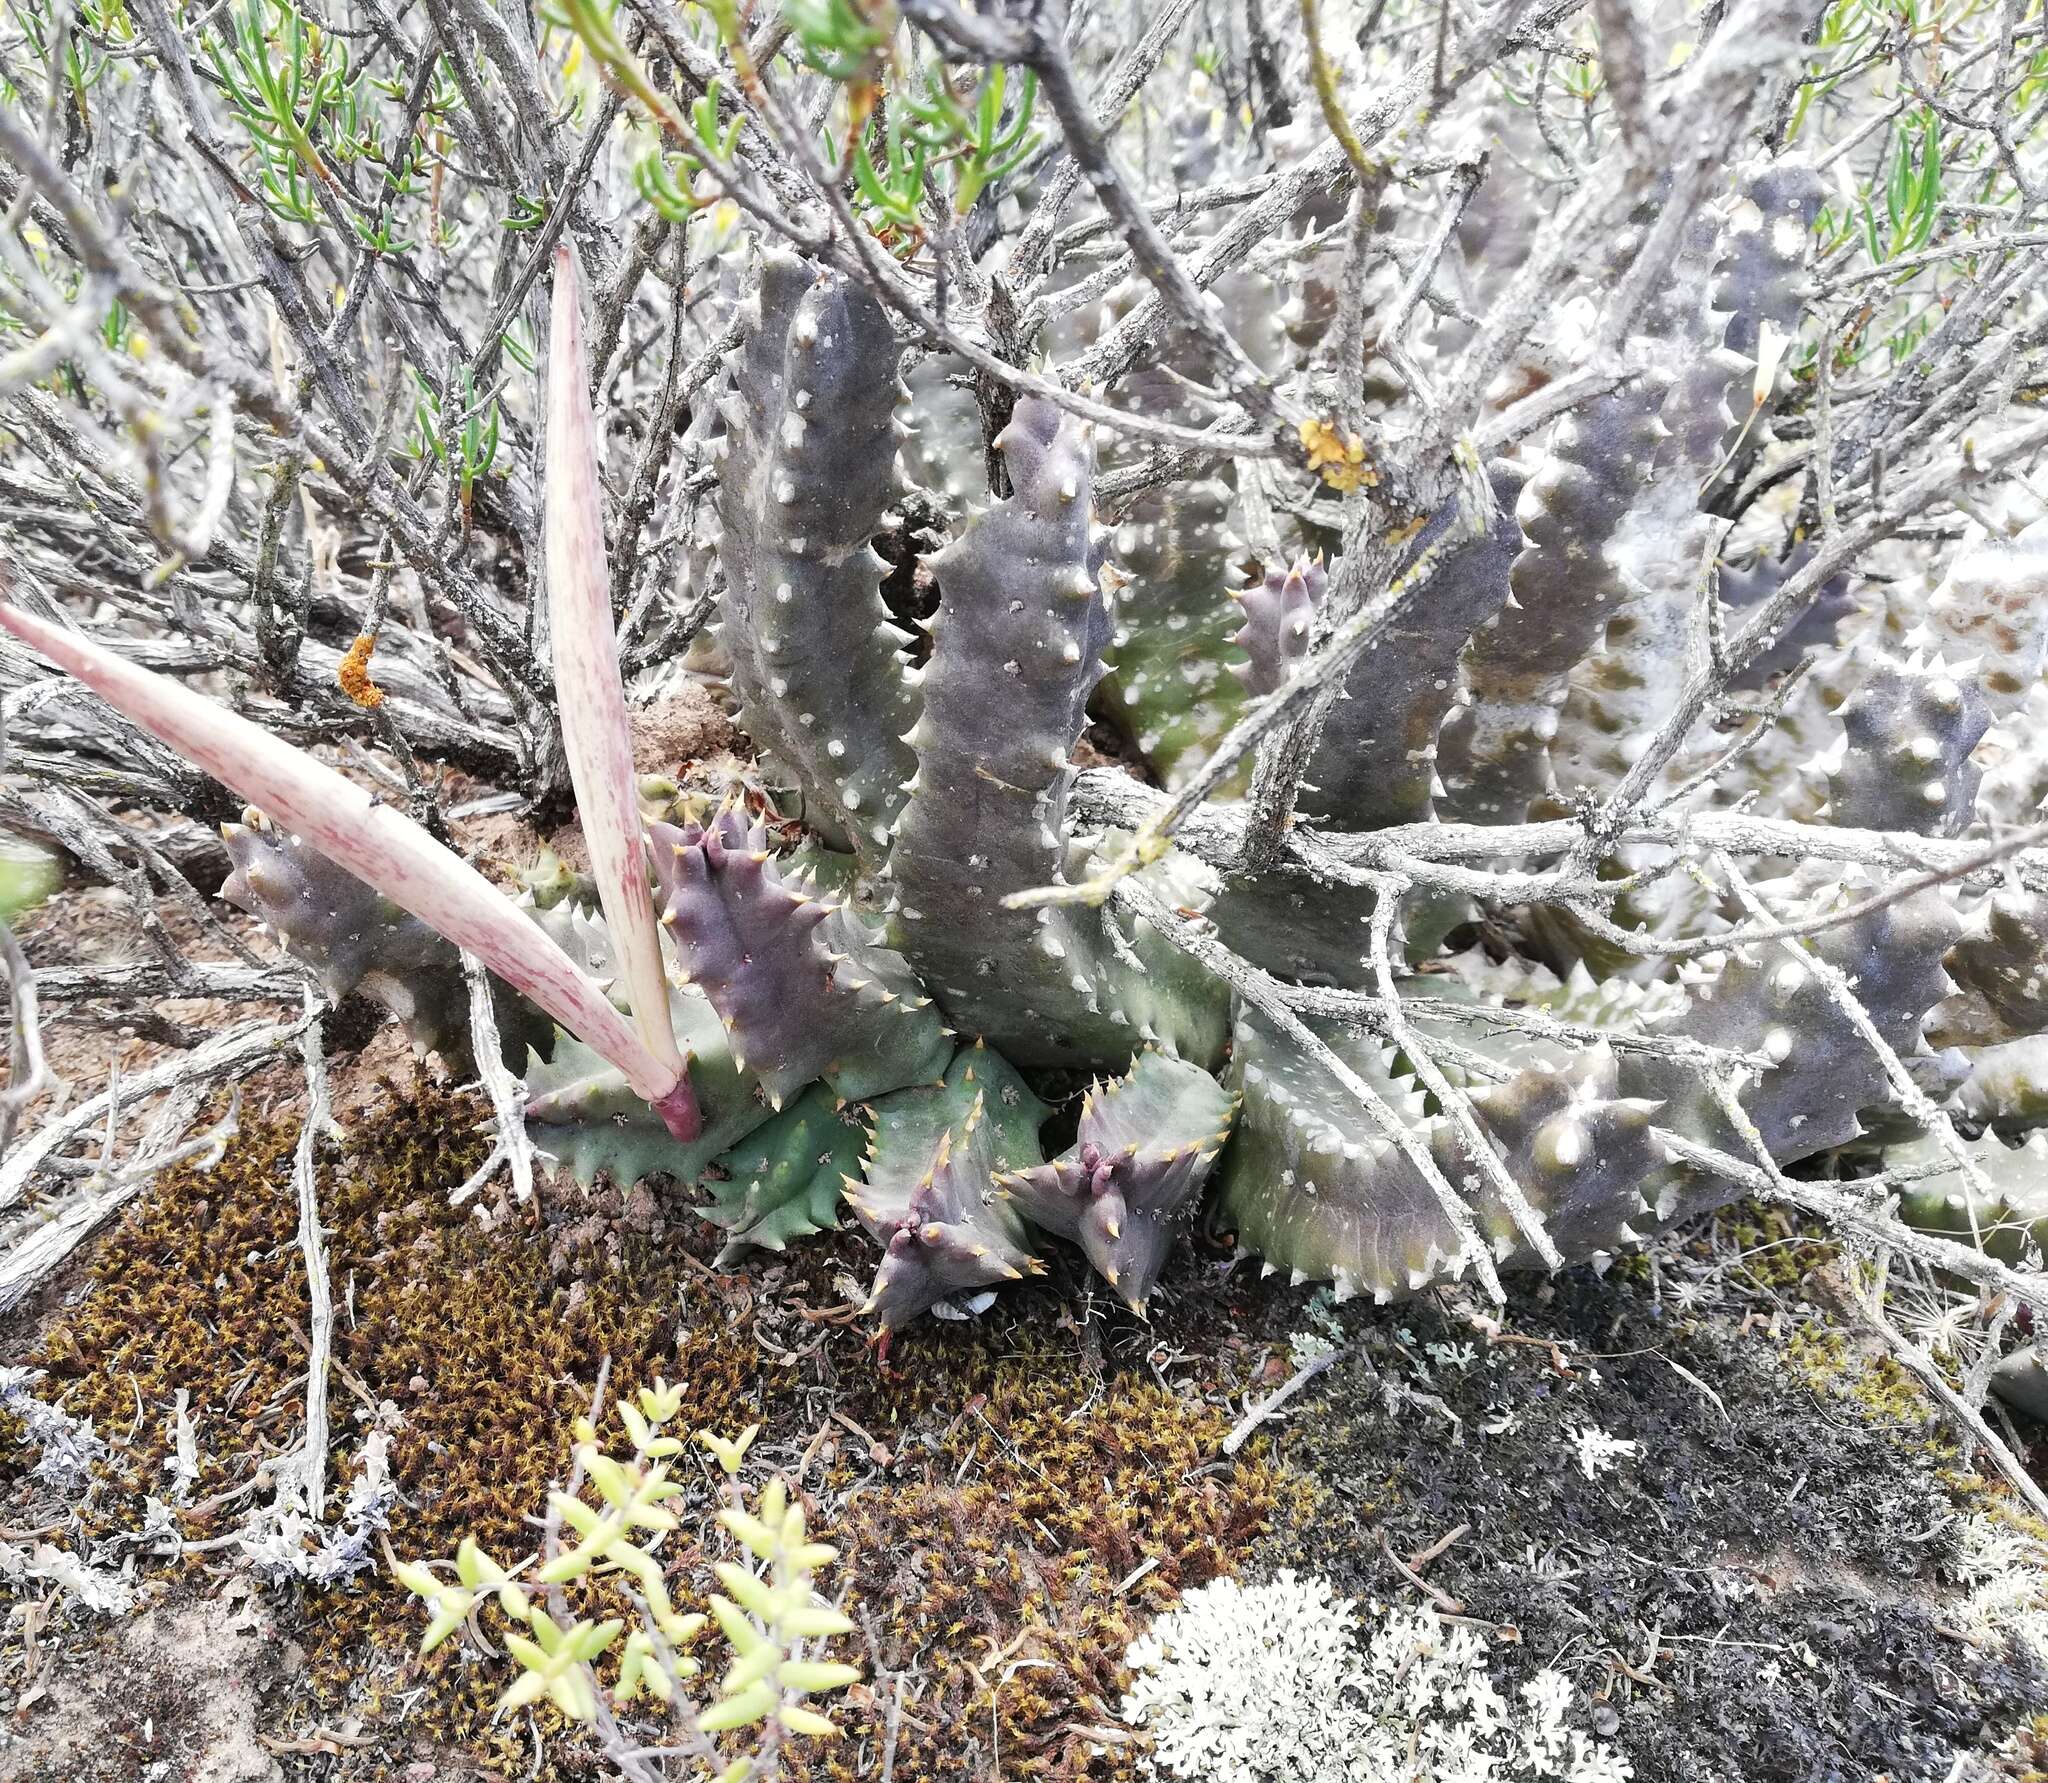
(1493, 753)
(1017, 647)
(1824, 1073)
(1762, 275)
(948, 1234)
(1129, 1184)
(1909, 731)
(808, 469)
(1376, 763)
(358, 941)
(803, 990)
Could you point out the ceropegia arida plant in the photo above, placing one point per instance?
(606, 1530)
(1487, 883)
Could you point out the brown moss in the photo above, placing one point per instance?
(17, 1453)
(991, 1491)
(1006, 1569)
(2026, 1758)
(477, 1353)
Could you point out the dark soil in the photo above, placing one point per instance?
(1769, 1559)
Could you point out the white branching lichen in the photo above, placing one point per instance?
(1598, 1452)
(69, 1445)
(282, 1542)
(100, 1590)
(1305, 1348)
(2005, 1570)
(1283, 1680)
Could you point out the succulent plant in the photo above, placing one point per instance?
(802, 988)
(583, 1110)
(932, 1196)
(1173, 685)
(1427, 944)
(805, 473)
(2007, 1217)
(1130, 1182)
(782, 1181)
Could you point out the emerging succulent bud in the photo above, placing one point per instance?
(1279, 613)
(1131, 1182)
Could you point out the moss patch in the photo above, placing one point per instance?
(1778, 1250)
(1013, 1497)
(17, 1453)
(2026, 1760)
(1052, 1512)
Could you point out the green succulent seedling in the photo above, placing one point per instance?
(593, 24)
(891, 192)
(518, 345)
(913, 138)
(524, 216)
(768, 1617)
(729, 1452)
(477, 1576)
(842, 39)
(473, 449)
(668, 181)
(768, 1610)
(1912, 190)
(557, 1662)
(85, 64)
(980, 148)
(285, 79)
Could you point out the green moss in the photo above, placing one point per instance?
(1632, 1267)
(1779, 1251)
(1875, 1385)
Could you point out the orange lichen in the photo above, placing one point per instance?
(353, 674)
(1336, 456)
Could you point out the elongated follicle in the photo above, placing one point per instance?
(596, 732)
(378, 844)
